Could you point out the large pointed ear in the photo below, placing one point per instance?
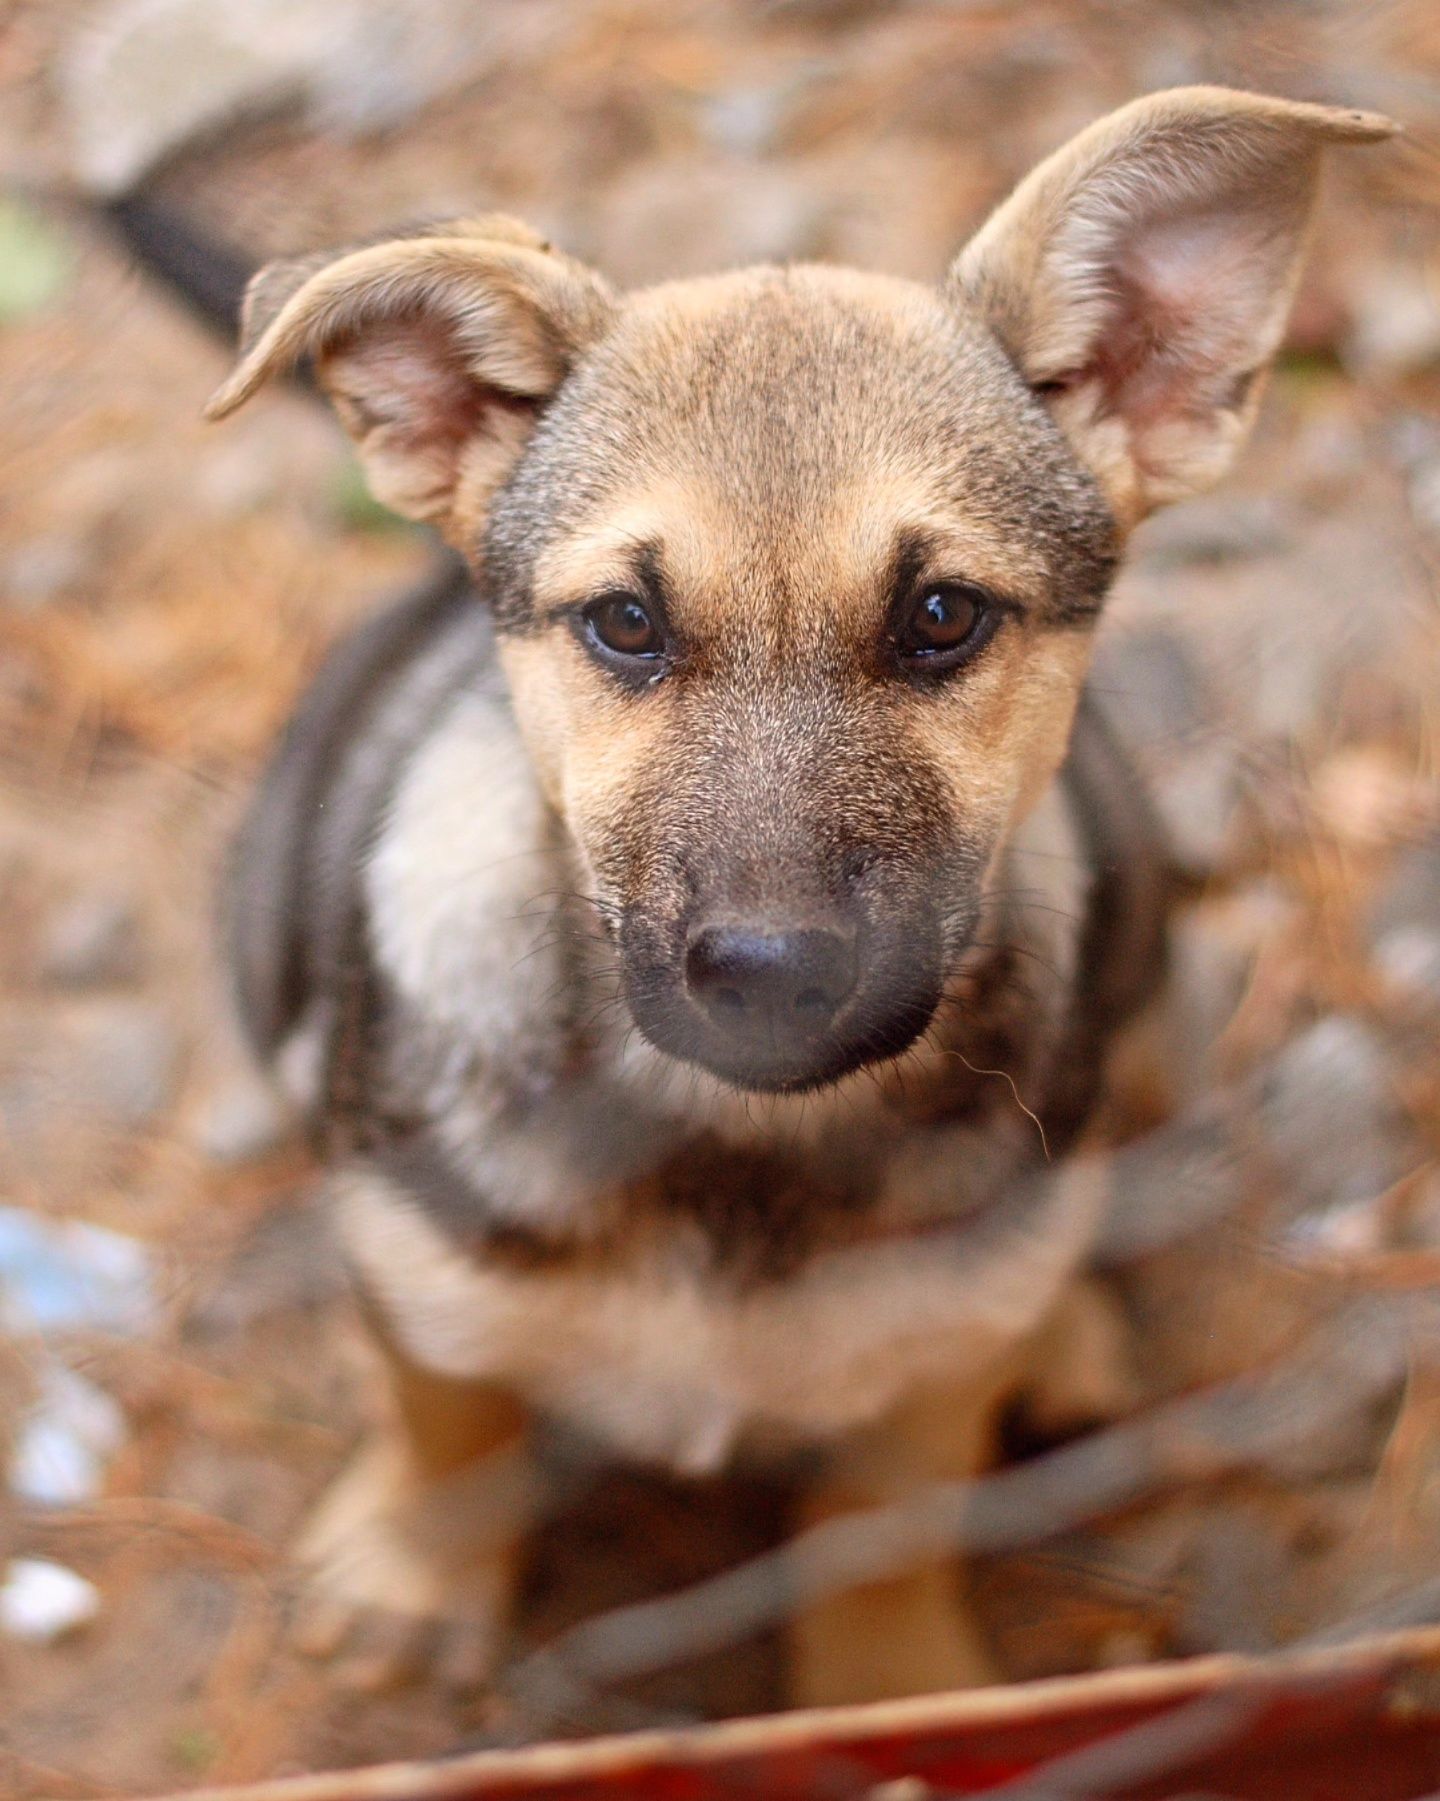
(438, 350)
(1140, 278)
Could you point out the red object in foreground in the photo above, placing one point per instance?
(1356, 1723)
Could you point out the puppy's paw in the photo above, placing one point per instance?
(407, 1579)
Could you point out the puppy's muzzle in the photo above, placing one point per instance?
(775, 989)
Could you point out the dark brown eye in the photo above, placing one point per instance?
(623, 624)
(945, 624)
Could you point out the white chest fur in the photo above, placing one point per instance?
(673, 1368)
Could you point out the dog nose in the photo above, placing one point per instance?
(771, 982)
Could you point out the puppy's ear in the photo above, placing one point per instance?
(438, 349)
(1140, 277)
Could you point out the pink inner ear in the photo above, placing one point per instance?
(410, 377)
(423, 415)
(1191, 301)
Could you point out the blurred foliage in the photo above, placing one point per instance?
(34, 262)
(355, 507)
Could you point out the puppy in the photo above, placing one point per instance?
(695, 924)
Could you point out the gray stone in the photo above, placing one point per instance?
(1407, 958)
(1153, 688)
(1425, 496)
(89, 940)
(660, 221)
(1170, 1185)
(125, 1061)
(747, 120)
(290, 1261)
(1330, 1123)
(1397, 325)
(39, 571)
(1213, 946)
(1223, 529)
(240, 1120)
(1409, 896)
(1199, 802)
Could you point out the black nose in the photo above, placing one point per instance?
(771, 984)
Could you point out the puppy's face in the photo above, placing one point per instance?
(795, 570)
(795, 583)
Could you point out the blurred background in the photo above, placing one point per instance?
(180, 1372)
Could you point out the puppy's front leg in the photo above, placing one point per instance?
(911, 1633)
(411, 1557)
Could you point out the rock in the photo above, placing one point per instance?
(1410, 893)
(59, 1275)
(1213, 947)
(240, 1120)
(1329, 1122)
(92, 939)
(64, 1440)
(1222, 529)
(1199, 802)
(41, 1601)
(663, 221)
(1170, 1185)
(1407, 959)
(39, 571)
(106, 1063)
(125, 1062)
(1154, 689)
(148, 75)
(290, 1261)
(1396, 332)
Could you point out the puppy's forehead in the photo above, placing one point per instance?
(775, 381)
(802, 418)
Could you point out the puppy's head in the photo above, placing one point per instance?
(795, 570)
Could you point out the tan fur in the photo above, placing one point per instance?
(790, 459)
(910, 1633)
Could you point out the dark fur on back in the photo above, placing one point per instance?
(292, 900)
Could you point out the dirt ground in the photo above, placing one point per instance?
(1273, 655)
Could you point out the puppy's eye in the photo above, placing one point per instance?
(949, 622)
(623, 624)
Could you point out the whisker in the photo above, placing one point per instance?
(1006, 1077)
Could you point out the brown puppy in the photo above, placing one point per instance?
(689, 935)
